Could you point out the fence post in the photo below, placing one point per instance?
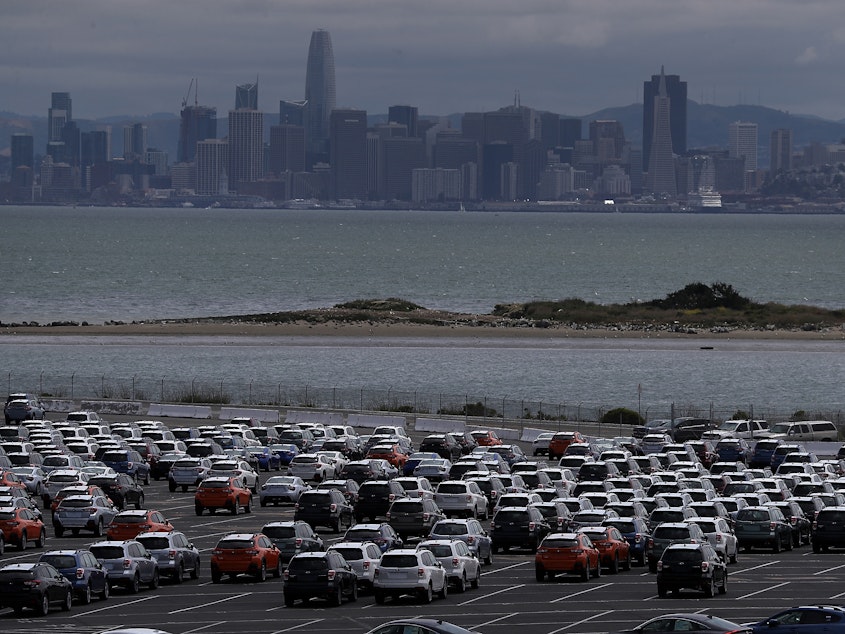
(334, 393)
(73, 374)
(362, 399)
(41, 383)
(192, 390)
(162, 388)
(133, 387)
(103, 386)
(221, 390)
(249, 402)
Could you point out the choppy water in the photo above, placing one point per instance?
(102, 264)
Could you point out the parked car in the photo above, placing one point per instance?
(375, 498)
(363, 556)
(695, 566)
(312, 466)
(83, 512)
(518, 527)
(463, 498)
(293, 538)
(188, 471)
(406, 571)
(829, 529)
(612, 546)
(670, 533)
(245, 553)
(127, 563)
(762, 526)
(720, 535)
(129, 524)
(324, 575)
(383, 535)
(21, 526)
(413, 517)
(81, 568)
(23, 407)
(278, 489)
(38, 586)
(443, 445)
(801, 526)
(469, 531)
(567, 553)
(174, 553)
(128, 461)
(462, 567)
(222, 492)
(807, 619)
(325, 508)
(121, 488)
(688, 622)
(636, 533)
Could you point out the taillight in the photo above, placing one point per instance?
(772, 526)
(426, 517)
(332, 574)
(471, 539)
(421, 572)
(718, 537)
(793, 520)
(375, 572)
(287, 575)
(366, 565)
(531, 526)
(659, 566)
(171, 554)
(127, 563)
(650, 542)
(216, 552)
(638, 538)
(705, 566)
(387, 516)
(296, 506)
(32, 583)
(391, 497)
(454, 561)
(298, 542)
(80, 573)
(333, 507)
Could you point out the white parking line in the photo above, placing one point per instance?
(490, 572)
(837, 596)
(775, 587)
(491, 594)
(111, 607)
(582, 621)
(204, 627)
(501, 618)
(296, 627)
(575, 594)
(205, 605)
(821, 572)
(744, 570)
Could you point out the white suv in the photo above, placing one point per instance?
(461, 566)
(364, 558)
(312, 466)
(406, 571)
(457, 497)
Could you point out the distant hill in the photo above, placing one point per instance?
(707, 126)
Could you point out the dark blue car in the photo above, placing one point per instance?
(636, 533)
(267, 459)
(285, 452)
(81, 568)
(128, 461)
(809, 619)
(763, 452)
(415, 458)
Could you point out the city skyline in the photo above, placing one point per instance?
(457, 57)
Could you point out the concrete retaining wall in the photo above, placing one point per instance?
(440, 425)
(530, 434)
(294, 416)
(263, 415)
(179, 411)
(372, 421)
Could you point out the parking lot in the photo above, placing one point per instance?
(509, 597)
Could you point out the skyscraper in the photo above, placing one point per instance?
(292, 112)
(197, 123)
(661, 174)
(212, 157)
(319, 94)
(676, 90)
(742, 143)
(349, 153)
(406, 115)
(246, 147)
(781, 151)
(22, 151)
(59, 113)
(246, 96)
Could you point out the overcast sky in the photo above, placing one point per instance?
(573, 57)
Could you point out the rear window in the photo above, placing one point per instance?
(362, 534)
(305, 459)
(407, 506)
(440, 550)
(308, 563)
(214, 484)
(114, 456)
(832, 516)
(671, 532)
(752, 515)
(511, 516)
(235, 544)
(558, 542)
(16, 575)
(622, 527)
(682, 554)
(60, 561)
(450, 529)
(154, 543)
(666, 515)
(399, 561)
(451, 488)
(766, 445)
(55, 461)
(350, 554)
(107, 552)
(279, 532)
(69, 503)
(371, 488)
(130, 519)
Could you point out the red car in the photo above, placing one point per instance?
(485, 438)
(129, 524)
(245, 553)
(568, 553)
(614, 548)
(21, 526)
(561, 440)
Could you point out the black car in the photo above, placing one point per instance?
(414, 517)
(492, 488)
(694, 566)
(325, 575)
(324, 508)
(443, 445)
(293, 538)
(122, 489)
(363, 470)
(465, 440)
(36, 586)
(375, 498)
(762, 526)
(520, 527)
(349, 488)
(794, 514)
(82, 569)
(829, 529)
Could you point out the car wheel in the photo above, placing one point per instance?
(85, 595)
(289, 601)
(216, 576)
(627, 564)
(710, 588)
(641, 559)
(171, 485)
(444, 591)
(106, 590)
(662, 591)
(58, 530)
(98, 528)
(777, 547)
(42, 538)
(337, 596)
(614, 567)
(789, 543)
(494, 549)
(44, 607)
(379, 596)
(723, 589)
(195, 571)
(733, 557)
(262, 572)
(652, 566)
(277, 571)
(147, 479)
(488, 560)
(428, 594)
(248, 506)
(155, 580)
(263, 503)
(539, 573)
(461, 583)
(184, 488)
(74, 532)
(135, 585)
(598, 567)
(23, 541)
(585, 574)
(179, 575)
(353, 595)
(236, 507)
(139, 503)
(816, 548)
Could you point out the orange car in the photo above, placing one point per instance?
(222, 492)
(485, 438)
(391, 453)
(245, 553)
(561, 440)
(10, 479)
(22, 526)
(129, 524)
(568, 553)
(614, 548)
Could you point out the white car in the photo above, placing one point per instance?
(457, 497)
(720, 536)
(59, 479)
(406, 571)
(312, 466)
(461, 566)
(364, 558)
(519, 499)
(188, 471)
(282, 489)
(434, 469)
(236, 469)
(540, 445)
(416, 487)
(337, 458)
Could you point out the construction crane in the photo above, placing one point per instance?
(188, 94)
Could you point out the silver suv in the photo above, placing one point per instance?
(127, 563)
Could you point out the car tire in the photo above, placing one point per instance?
(488, 560)
(710, 588)
(789, 543)
(23, 542)
(42, 538)
(58, 530)
(732, 559)
(198, 509)
(156, 580)
(139, 503)
(444, 591)
(248, 505)
(172, 486)
(598, 568)
(461, 583)
(817, 548)
(723, 589)
(184, 488)
(261, 575)
(336, 598)
(263, 503)
(277, 571)
(539, 573)
(236, 507)
(179, 574)
(427, 595)
(777, 546)
(474, 583)
(85, 595)
(614, 567)
(147, 479)
(662, 591)
(134, 586)
(289, 601)
(379, 596)
(195, 571)
(74, 532)
(652, 567)
(353, 595)
(106, 590)
(98, 528)
(494, 549)
(627, 564)
(216, 576)
(585, 574)
(43, 607)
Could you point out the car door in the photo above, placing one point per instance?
(146, 564)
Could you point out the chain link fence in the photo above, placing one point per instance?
(237, 392)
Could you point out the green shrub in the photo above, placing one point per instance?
(622, 416)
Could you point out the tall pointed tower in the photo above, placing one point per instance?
(319, 95)
(661, 162)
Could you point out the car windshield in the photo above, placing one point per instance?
(60, 561)
(308, 563)
(398, 561)
(279, 532)
(154, 543)
(107, 552)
